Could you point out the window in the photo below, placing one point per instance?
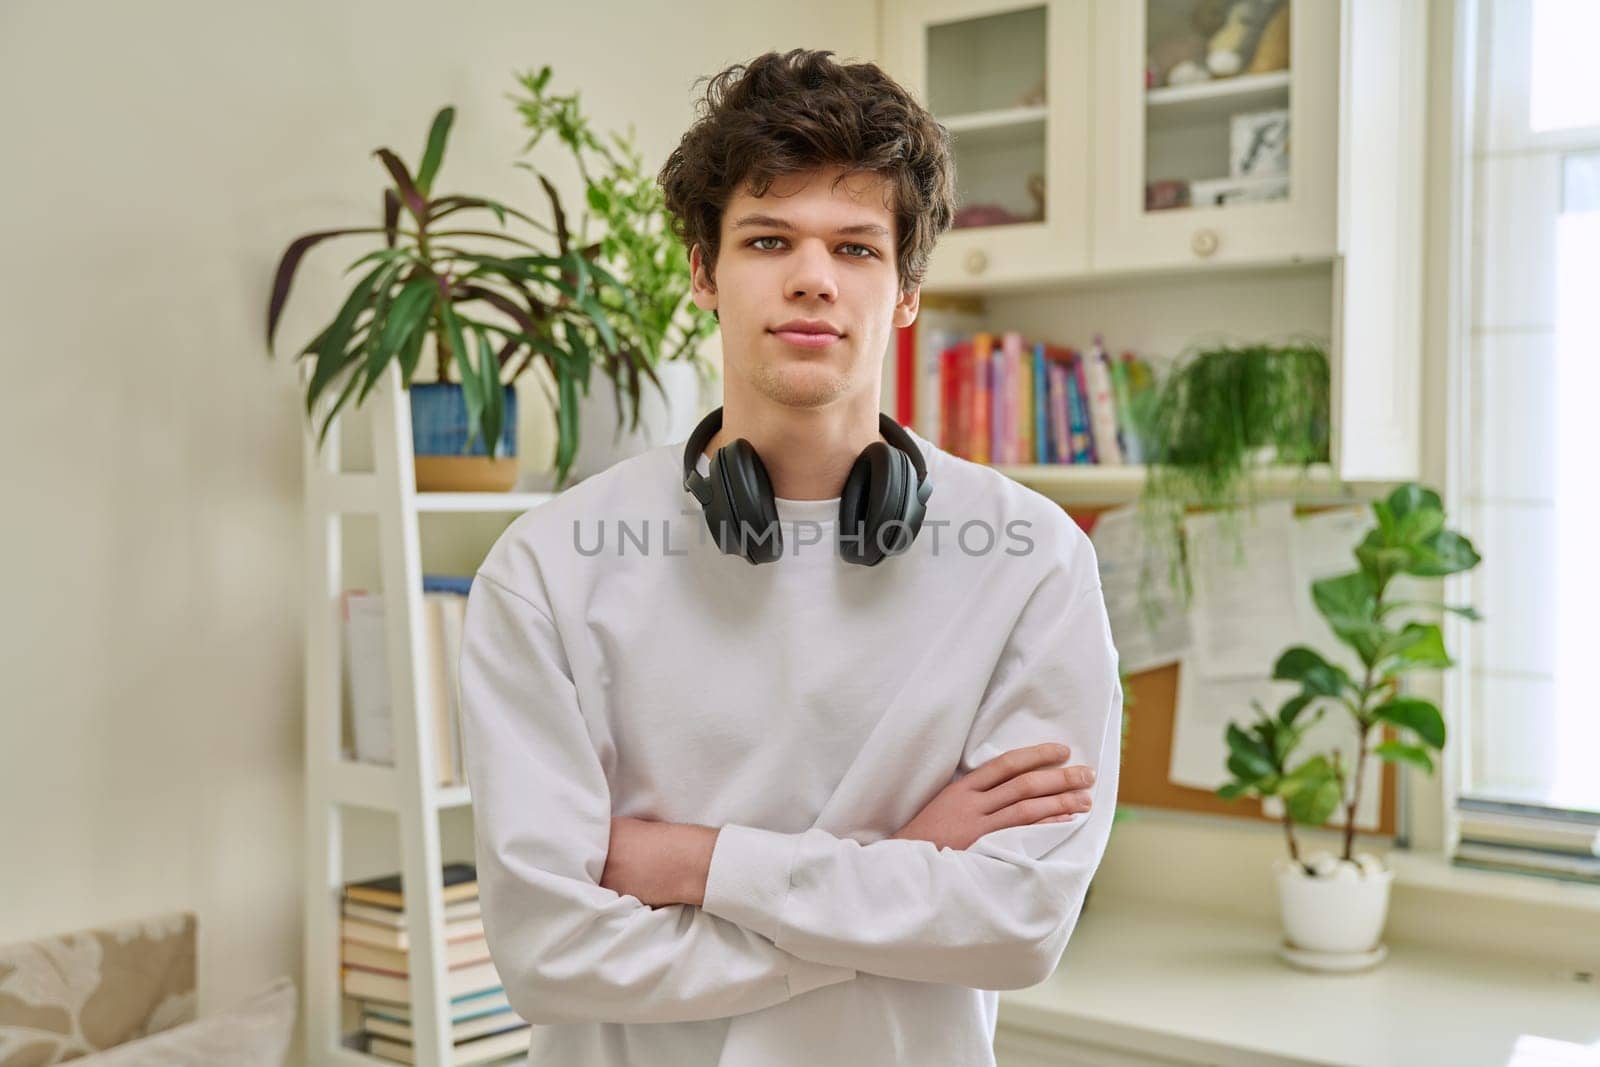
(1531, 432)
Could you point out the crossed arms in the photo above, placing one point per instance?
(767, 916)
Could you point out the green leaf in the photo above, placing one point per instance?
(1418, 716)
(1349, 603)
(1312, 805)
(494, 393)
(1250, 758)
(332, 357)
(434, 153)
(566, 426)
(283, 277)
(1410, 498)
(1446, 552)
(1232, 791)
(1416, 527)
(1399, 753)
(1291, 709)
(1420, 647)
(409, 310)
(414, 201)
(1466, 611)
(1317, 675)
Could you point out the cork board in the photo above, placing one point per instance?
(1147, 749)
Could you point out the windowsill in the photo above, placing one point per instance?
(1159, 981)
(1426, 870)
(1178, 862)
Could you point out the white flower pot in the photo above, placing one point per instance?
(1334, 920)
(603, 441)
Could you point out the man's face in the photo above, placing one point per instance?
(819, 254)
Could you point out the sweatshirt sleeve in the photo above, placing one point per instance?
(566, 948)
(998, 914)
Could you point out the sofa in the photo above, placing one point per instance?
(124, 995)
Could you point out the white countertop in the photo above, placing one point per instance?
(1194, 986)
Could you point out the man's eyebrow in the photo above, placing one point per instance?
(773, 223)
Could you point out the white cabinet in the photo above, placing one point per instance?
(1232, 170)
(1120, 165)
(1010, 81)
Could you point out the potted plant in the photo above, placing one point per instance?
(491, 303)
(1219, 415)
(1334, 907)
(637, 243)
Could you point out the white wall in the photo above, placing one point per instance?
(155, 159)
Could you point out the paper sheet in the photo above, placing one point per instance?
(1245, 616)
(1243, 612)
(1148, 624)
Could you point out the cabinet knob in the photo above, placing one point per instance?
(1204, 242)
(977, 260)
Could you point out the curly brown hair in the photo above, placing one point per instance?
(794, 112)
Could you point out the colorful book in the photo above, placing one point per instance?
(905, 375)
(1042, 453)
(1083, 443)
(1102, 405)
(1061, 383)
(982, 386)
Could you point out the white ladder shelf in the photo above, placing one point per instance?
(332, 782)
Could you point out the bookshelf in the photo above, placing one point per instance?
(334, 783)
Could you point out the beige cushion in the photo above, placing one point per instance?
(254, 1034)
(66, 996)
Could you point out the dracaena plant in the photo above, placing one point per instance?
(1389, 641)
(493, 302)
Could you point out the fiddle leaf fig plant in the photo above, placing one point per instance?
(492, 302)
(1389, 642)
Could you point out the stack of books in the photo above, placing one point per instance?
(1528, 839)
(1002, 399)
(444, 607)
(375, 950)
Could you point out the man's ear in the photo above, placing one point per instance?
(703, 291)
(905, 308)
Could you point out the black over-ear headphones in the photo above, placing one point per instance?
(880, 507)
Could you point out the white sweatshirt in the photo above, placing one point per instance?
(810, 708)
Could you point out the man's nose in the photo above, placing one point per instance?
(813, 273)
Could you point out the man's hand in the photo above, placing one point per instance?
(1016, 788)
(661, 863)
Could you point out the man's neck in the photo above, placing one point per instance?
(808, 452)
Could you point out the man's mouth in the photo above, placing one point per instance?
(807, 333)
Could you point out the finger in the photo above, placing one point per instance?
(1059, 818)
(1008, 765)
(1038, 784)
(1030, 811)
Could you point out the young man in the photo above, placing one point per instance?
(807, 812)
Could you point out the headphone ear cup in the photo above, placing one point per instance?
(748, 489)
(873, 495)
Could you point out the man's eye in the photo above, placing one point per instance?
(869, 252)
(758, 241)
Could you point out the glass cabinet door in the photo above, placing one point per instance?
(986, 84)
(1218, 129)
(1009, 82)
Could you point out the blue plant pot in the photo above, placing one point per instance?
(444, 463)
(439, 422)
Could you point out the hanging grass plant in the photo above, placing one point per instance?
(1220, 414)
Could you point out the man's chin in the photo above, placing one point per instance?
(801, 385)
